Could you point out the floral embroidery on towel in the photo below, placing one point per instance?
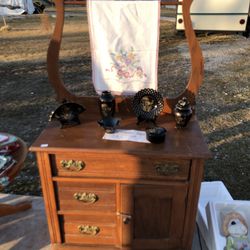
(126, 65)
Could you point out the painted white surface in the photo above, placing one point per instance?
(218, 6)
(232, 11)
(216, 211)
(216, 22)
(210, 191)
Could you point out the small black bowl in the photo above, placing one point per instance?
(156, 134)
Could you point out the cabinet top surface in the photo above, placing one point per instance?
(184, 143)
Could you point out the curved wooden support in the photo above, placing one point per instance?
(53, 58)
(197, 63)
(197, 71)
(195, 79)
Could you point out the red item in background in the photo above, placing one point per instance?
(10, 149)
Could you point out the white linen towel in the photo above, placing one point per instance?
(124, 37)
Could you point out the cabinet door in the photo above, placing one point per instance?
(153, 215)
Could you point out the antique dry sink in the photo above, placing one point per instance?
(122, 194)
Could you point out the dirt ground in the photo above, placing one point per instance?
(27, 98)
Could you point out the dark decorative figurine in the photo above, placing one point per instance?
(68, 114)
(182, 112)
(156, 134)
(147, 105)
(109, 124)
(107, 110)
(107, 104)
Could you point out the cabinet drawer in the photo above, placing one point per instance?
(85, 196)
(119, 166)
(89, 229)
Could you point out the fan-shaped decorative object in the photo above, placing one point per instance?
(68, 114)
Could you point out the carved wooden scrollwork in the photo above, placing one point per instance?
(197, 64)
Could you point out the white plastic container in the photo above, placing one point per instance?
(215, 211)
(210, 191)
(227, 15)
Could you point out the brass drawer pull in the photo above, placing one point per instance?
(167, 169)
(86, 197)
(89, 230)
(72, 165)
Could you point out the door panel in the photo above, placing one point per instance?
(155, 215)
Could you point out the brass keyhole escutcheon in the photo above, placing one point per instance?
(127, 219)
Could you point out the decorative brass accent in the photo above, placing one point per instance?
(126, 218)
(167, 169)
(86, 197)
(72, 165)
(90, 230)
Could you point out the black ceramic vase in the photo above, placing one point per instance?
(182, 112)
(107, 110)
(107, 104)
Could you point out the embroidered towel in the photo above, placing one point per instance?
(124, 38)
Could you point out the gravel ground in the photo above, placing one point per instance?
(222, 105)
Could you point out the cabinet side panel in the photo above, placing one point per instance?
(48, 196)
(196, 176)
(127, 208)
(118, 217)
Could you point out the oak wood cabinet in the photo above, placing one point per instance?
(107, 195)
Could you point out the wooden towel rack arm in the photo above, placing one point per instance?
(53, 59)
(197, 64)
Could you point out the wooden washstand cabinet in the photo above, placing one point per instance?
(102, 194)
(107, 195)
